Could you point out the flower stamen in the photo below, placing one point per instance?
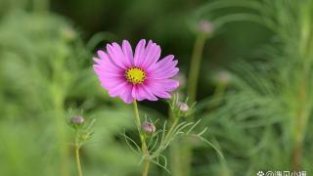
(135, 75)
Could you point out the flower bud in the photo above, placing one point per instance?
(77, 120)
(206, 27)
(148, 127)
(183, 107)
(223, 77)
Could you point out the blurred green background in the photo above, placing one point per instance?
(247, 94)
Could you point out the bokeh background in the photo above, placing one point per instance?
(248, 92)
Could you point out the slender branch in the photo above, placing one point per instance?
(146, 167)
(175, 152)
(79, 168)
(144, 147)
(186, 149)
(171, 128)
(301, 119)
(195, 66)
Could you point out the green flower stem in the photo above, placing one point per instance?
(184, 155)
(299, 132)
(300, 122)
(175, 159)
(62, 147)
(195, 66)
(175, 151)
(144, 147)
(146, 167)
(61, 133)
(77, 157)
(174, 123)
(302, 113)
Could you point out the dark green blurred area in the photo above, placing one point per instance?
(46, 77)
(172, 24)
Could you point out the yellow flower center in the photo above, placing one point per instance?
(135, 75)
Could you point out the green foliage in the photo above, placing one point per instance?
(159, 141)
(256, 122)
(263, 119)
(45, 70)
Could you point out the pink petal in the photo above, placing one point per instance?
(164, 95)
(165, 62)
(149, 95)
(102, 55)
(161, 88)
(118, 89)
(141, 92)
(109, 83)
(105, 69)
(139, 52)
(117, 56)
(101, 70)
(153, 53)
(105, 62)
(164, 69)
(170, 72)
(164, 84)
(159, 93)
(165, 66)
(163, 75)
(109, 74)
(128, 52)
(169, 84)
(126, 95)
(137, 93)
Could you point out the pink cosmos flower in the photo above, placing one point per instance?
(139, 76)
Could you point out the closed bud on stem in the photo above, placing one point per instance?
(148, 127)
(223, 77)
(183, 107)
(77, 120)
(206, 27)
